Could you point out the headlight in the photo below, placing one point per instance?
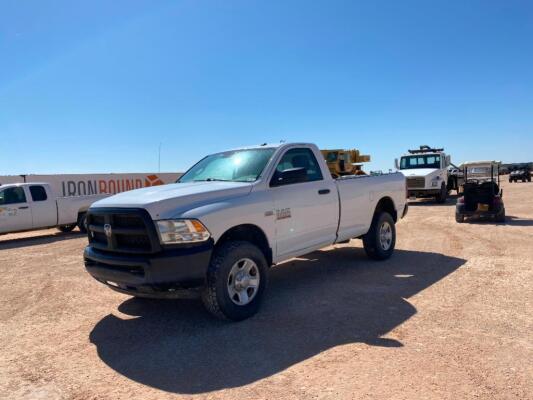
(174, 231)
(435, 183)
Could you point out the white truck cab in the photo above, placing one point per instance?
(29, 206)
(427, 173)
(230, 217)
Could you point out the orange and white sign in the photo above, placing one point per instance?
(90, 184)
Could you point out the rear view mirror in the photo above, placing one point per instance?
(448, 160)
(289, 176)
(396, 163)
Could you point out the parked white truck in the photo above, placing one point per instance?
(427, 172)
(29, 206)
(230, 217)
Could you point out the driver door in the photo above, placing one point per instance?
(15, 211)
(306, 213)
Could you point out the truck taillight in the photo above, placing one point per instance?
(461, 200)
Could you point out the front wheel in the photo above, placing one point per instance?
(380, 240)
(459, 218)
(443, 195)
(236, 280)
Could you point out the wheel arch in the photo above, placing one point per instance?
(386, 204)
(249, 233)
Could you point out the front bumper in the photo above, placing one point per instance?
(423, 192)
(405, 210)
(165, 271)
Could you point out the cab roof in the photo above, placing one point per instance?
(480, 163)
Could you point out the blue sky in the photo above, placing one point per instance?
(96, 86)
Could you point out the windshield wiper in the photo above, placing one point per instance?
(211, 180)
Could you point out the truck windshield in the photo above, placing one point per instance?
(421, 161)
(231, 166)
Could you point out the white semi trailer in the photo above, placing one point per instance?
(68, 185)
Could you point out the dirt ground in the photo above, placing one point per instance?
(448, 317)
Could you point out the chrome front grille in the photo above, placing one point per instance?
(416, 183)
(122, 231)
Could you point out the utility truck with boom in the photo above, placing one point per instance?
(232, 216)
(427, 173)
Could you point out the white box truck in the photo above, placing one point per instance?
(31, 202)
(427, 173)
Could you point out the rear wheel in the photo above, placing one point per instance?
(236, 280)
(380, 240)
(500, 217)
(82, 222)
(66, 228)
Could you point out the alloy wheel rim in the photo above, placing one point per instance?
(243, 281)
(385, 236)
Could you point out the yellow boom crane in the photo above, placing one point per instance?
(345, 162)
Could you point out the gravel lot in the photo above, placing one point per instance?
(448, 317)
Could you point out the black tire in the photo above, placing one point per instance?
(82, 222)
(66, 228)
(452, 184)
(443, 195)
(459, 218)
(216, 296)
(372, 240)
(501, 216)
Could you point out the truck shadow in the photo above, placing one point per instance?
(328, 299)
(7, 244)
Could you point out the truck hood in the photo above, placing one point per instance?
(418, 172)
(165, 201)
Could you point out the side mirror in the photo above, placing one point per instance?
(396, 163)
(289, 176)
(448, 160)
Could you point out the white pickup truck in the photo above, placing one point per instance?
(29, 206)
(230, 217)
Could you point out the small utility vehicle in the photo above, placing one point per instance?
(520, 174)
(482, 195)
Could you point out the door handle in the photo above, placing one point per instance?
(23, 208)
(324, 191)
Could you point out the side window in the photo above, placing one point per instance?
(38, 193)
(12, 196)
(301, 158)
